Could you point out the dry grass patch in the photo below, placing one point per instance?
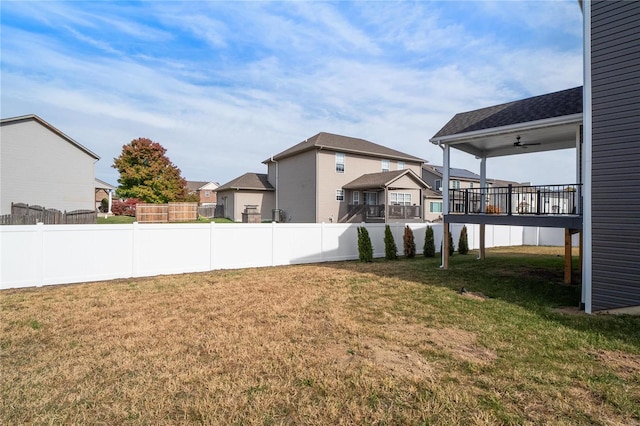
(341, 343)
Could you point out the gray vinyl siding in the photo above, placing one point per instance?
(615, 72)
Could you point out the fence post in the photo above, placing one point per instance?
(273, 242)
(39, 254)
(509, 195)
(212, 245)
(135, 242)
(322, 230)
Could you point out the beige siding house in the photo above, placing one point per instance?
(250, 189)
(40, 165)
(317, 180)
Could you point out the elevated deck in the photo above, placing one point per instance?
(551, 206)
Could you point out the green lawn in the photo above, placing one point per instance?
(385, 343)
(111, 220)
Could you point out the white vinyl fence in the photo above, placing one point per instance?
(35, 255)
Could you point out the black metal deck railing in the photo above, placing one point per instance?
(518, 200)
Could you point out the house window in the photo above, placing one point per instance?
(400, 165)
(385, 165)
(339, 162)
(207, 193)
(471, 185)
(455, 184)
(438, 185)
(356, 198)
(340, 195)
(435, 207)
(399, 198)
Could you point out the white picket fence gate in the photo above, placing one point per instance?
(35, 255)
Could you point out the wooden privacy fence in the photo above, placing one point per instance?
(162, 213)
(24, 214)
(207, 211)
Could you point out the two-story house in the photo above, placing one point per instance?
(40, 165)
(334, 178)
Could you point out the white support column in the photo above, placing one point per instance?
(445, 204)
(578, 165)
(110, 201)
(445, 179)
(587, 126)
(483, 202)
(483, 182)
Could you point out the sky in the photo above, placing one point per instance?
(224, 85)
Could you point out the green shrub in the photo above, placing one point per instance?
(365, 249)
(390, 249)
(409, 242)
(463, 242)
(429, 249)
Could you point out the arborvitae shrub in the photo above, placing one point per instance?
(452, 248)
(409, 243)
(463, 242)
(365, 249)
(390, 248)
(429, 249)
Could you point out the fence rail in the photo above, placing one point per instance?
(518, 200)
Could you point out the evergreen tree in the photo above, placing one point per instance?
(452, 248)
(390, 249)
(365, 249)
(409, 242)
(463, 242)
(429, 249)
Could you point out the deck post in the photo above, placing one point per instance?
(445, 245)
(481, 251)
(567, 256)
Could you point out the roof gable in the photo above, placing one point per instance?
(345, 144)
(33, 117)
(383, 180)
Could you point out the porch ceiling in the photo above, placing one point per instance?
(545, 135)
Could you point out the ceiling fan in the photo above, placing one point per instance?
(524, 145)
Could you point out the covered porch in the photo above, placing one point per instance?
(384, 197)
(542, 123)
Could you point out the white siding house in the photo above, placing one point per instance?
(41, 165)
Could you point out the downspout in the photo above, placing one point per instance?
(274, 161)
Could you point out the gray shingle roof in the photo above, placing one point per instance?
(250, 181)
(194, 185)
(453, 172)
(344, 144)
(557, 104)
(381, 179)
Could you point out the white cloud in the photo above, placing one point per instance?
(252, 79)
